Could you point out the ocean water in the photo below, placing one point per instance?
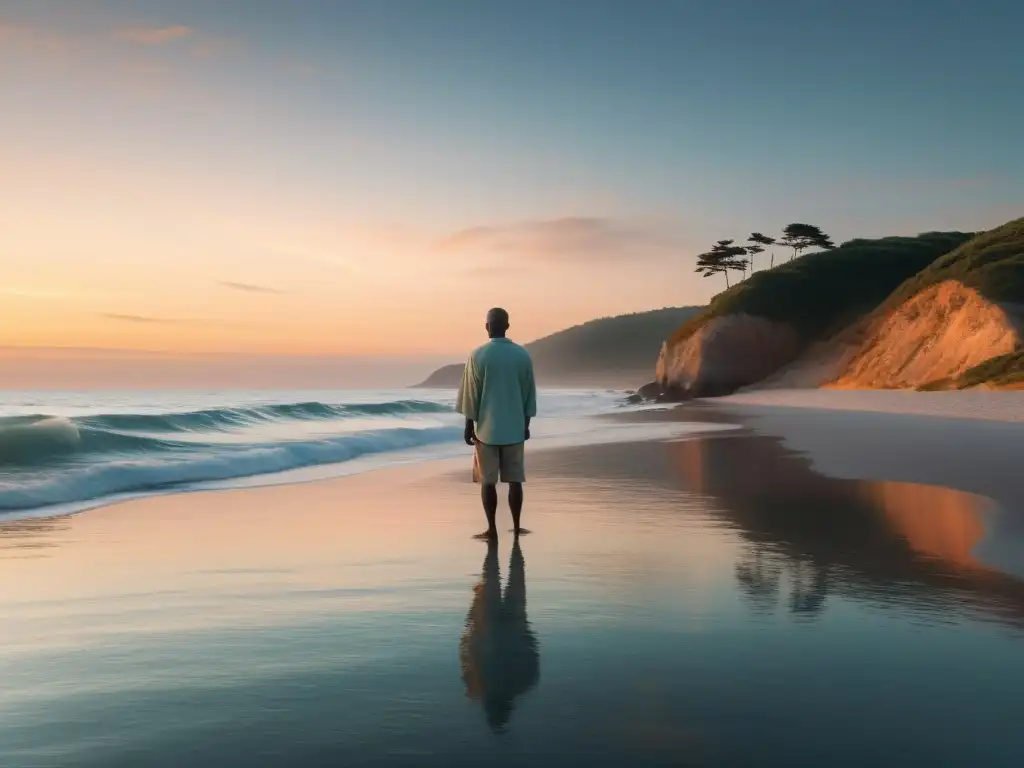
(63, 452)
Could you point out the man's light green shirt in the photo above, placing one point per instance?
(498, 392)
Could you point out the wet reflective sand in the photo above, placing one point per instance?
(715, 601)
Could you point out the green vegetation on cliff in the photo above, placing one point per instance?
(1003, 371)
(820, 292)
(593, 352)
(992, 263)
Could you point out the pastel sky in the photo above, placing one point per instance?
(324, 177)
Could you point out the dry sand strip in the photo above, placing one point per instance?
(967, 404)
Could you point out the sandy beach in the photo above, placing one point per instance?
(773, 590)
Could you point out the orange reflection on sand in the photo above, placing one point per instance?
(936, 522)
(767, 487)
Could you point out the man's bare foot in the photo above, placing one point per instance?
(487, 536)
(520, 531)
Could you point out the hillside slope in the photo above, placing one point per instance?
(610, 351)
(963, 310)
(755, 328)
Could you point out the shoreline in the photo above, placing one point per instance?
(605, 430)
(782, 413)
(838, 443)
(882, 449)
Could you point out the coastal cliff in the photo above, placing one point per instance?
(956, 321)
(957, 324)
(726, 353)
(754, 329)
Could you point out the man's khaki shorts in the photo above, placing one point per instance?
(499, 462)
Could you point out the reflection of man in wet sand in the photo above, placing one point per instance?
(498, 651)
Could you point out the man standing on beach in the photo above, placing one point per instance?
(498, 397)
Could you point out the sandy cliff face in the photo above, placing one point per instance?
(937, 334)
(725, 353)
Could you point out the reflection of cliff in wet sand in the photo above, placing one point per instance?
(498, 651)
(883, 541)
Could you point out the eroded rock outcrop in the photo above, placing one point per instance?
(725, 353)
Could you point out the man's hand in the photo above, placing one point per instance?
(526, 436)
(468, 435)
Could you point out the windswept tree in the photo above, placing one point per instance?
(762, 241)
(710, 263)
(752, 251)
(800, 237)
(732, 255)
(723, 257)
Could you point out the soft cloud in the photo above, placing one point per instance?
(123, 317)
(564, 238)
(249, 287)
(25, 38)
(142, 319)
(63, 46)
(144, 35)
(31, 293)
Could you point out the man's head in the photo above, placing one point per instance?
(497, 323)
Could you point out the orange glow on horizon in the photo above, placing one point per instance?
(146, 213)
(192, 265)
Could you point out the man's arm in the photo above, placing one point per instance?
(529, 396)
(467, 402)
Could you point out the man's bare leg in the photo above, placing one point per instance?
(515, 503)
(489, 496)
